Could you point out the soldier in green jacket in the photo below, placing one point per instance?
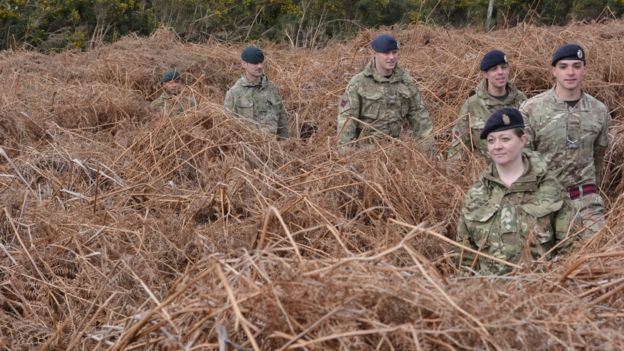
(569, 127)
(173, 98)
(256, 98)
(378, 99)
(495, 91)
(515, 211)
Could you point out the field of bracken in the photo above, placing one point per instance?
(126, 229)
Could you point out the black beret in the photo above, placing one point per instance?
(171, 74)
(491, 59)
(253, 55)
(568, 52)
(503, 119)
(384, 43)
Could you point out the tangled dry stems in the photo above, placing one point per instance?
(126, 229)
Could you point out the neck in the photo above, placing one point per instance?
(510, 172)
(382, 71)
(496, 91)
(252, 79)
(567, 94)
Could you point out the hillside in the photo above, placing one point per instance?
(125, 229)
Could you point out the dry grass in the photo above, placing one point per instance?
(123, 229)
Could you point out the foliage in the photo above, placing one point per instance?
(56, 24)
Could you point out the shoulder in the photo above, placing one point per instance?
(596, 105)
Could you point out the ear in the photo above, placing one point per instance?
(243, 63)
(524, 138)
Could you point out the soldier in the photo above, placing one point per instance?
(256, 98)
(495, 91)
(172, 99)
(569, 127)
(514, 212)
(380, 97)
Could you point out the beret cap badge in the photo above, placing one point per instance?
(506, 119)
(579, 53)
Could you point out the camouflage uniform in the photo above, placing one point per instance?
(517, 223)
(259, 102)
(473, 115)
(175, 104)
(381, 103)
(573, 141)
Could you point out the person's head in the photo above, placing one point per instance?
(495, 69)
(252, 61)
(385, 51)
(504, 134)
(171, 82)
(568, 63)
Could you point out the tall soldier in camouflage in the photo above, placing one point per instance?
(514, 212)
(380, 97)
(569, 127)
(494, 92)
(173, 99)
(256, 98)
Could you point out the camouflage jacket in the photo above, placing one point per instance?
(175, 104)
(259, 102)
(473, 115)
(373, 104)
(517, 223)
(573, 140)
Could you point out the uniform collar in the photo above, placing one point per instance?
(534, 167)
(482, 92)
(371, 71)
(247, 83)
(583, 104)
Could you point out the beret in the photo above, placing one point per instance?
(503, 119)
(491, 59)
(171, 74)
(253, 55)
(384, 43)
(568, 52)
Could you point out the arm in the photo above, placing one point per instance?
(348, 113)
(600, 147)
(417, 115)
(464, 258)
(461, 135)
(282, 121)
(528, 127)
(229, 104)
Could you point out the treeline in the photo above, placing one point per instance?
(58, 24)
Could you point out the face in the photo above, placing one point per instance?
(505, 146)
(386, 61)
(173, 87)
(498, 75)
(253, 71)
(569, 74)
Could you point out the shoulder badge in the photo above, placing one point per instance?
(506, 119)
(344, 102)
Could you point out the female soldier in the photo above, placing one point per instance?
(515, 211)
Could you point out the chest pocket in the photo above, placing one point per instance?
(539, 220)
(479, 223)
(589, 134)
(370, 104)
(245, 107)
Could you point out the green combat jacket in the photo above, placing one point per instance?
(573, 140)
(175, 104)
(376, 105)
(517, 223)
(472, 117)
(259, 102)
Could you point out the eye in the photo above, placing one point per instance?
(490, 140)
